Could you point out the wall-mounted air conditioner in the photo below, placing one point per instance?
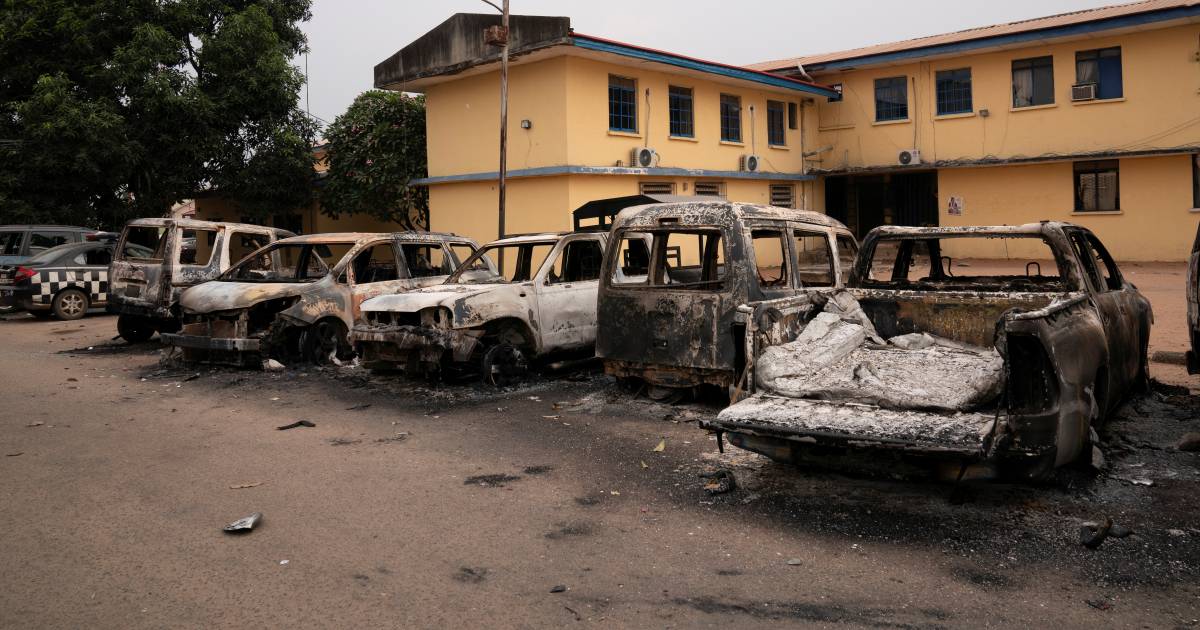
(749, 163)
(908, 157)
(1083, 92)
(643, 157)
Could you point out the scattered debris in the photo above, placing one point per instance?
(1177, 532)
(795, 562)
(339, 441)
(246, 524)
(298, 423)
(192, 377)
(471, 575)
(283, 562)
(538, 470)
(496, 481)
(35, 424)
(1099, 604)
(271, 365)
(572, 611)
(662, 446)
(1140, 481)
(359, 407)
(242, 486)
(1092, 534)
(643, 464)
(719, 482)
(558, 589)
(400, 436)
(17, 454)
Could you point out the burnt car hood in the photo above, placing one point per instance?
(215, 296)
(418, 299)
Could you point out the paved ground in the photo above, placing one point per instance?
(459, 506)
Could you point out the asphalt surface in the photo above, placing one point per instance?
(456, 506)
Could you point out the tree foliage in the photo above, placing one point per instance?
(117, 108)
(375, 150)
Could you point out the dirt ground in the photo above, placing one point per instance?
(417, 506)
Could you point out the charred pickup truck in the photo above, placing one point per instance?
(999, 365)
(156, 259)
(667, 313)
(519, 298)
(297, 298)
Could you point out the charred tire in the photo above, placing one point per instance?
(1141, 382)
(5, 310)
(504, 364)
(323, 340)
(70, 304)
(135, 329)
(168, 325)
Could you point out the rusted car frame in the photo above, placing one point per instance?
(482, 320)
(1193, 307)
(144, 291)
(673, 324)
(1073, 345)
(298, 298)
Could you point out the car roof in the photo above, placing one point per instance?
(718, 212)
(1026, 229)
(41, 226)
(363, 237)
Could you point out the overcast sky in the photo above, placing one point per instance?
(348, 37)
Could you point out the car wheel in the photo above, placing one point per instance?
(134, 329)
(503, 365)
(5, 310)
(42, 314)
(324, 340)
(70, 304)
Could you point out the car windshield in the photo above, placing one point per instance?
(50, 255)
(987, 263)
(289, 262)
(509, 262)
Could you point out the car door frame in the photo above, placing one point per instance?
(572, 328)
(1114, 313)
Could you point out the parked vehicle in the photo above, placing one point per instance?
(516, 300)
(1003, 371)
(19, 243)
(1193, 308)
(298, 297)
(144, 289)
(63, 281)
(667, 314)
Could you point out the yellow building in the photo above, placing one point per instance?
(581, 110)
(1091, 117)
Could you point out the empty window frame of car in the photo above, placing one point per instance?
(979, 263)
(686, 259)
(140, 239)
(290, 262)
(770, 258)
(508, 262)
(196, 247)
(375, 263)
(814, 259)
(426, 260)
(242, 244)
(633, 260)
(579, 261)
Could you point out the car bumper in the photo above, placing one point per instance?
(395, 343)
(201, 342)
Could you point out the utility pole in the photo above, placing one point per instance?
(500, 38)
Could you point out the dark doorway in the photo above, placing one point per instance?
(864, 202)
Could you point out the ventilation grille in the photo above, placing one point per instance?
(657, 188)
(710, 189)
(783, 195)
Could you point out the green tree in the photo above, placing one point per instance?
(111, 109)
(375, 150)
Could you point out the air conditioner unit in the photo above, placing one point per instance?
(908, 157)
(643, 157)
(1083, 92)
(750, 163)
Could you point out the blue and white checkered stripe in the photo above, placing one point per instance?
(49, 283)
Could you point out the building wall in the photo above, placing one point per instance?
(1161, 101)
(312, 221)
(1155, 223)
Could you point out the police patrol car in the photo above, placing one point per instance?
(63, 281)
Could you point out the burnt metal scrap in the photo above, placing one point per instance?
(488, 319)
(297, 299)
(679, 326)
(1007, 373)
(1193, 307)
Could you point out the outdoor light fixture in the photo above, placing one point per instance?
(527, 124)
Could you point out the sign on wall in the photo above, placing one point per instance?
(955, 207)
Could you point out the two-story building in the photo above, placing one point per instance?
(591, 118)
(1092, 117)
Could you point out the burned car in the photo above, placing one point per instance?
(157, 259)
(666, 313)
(297, 298)
(519, 298)
(1193, 307)
(999, 364)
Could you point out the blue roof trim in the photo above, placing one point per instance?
(1015, 38)
(695, 64)
(547, 171)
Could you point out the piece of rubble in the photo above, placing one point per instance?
(1092, 534)
(1189, 443)
(271, 365)
(298, 423)
(719, 482)
(244, 524)
(558, 589)
(243, 486)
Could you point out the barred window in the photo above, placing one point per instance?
(776, 120)
(954, 92)
(783, 195)
(656, 188)
(622, 104)
(682, 115)
(710, 189)
(1097, 186)
(731, 118)
(891, 99)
